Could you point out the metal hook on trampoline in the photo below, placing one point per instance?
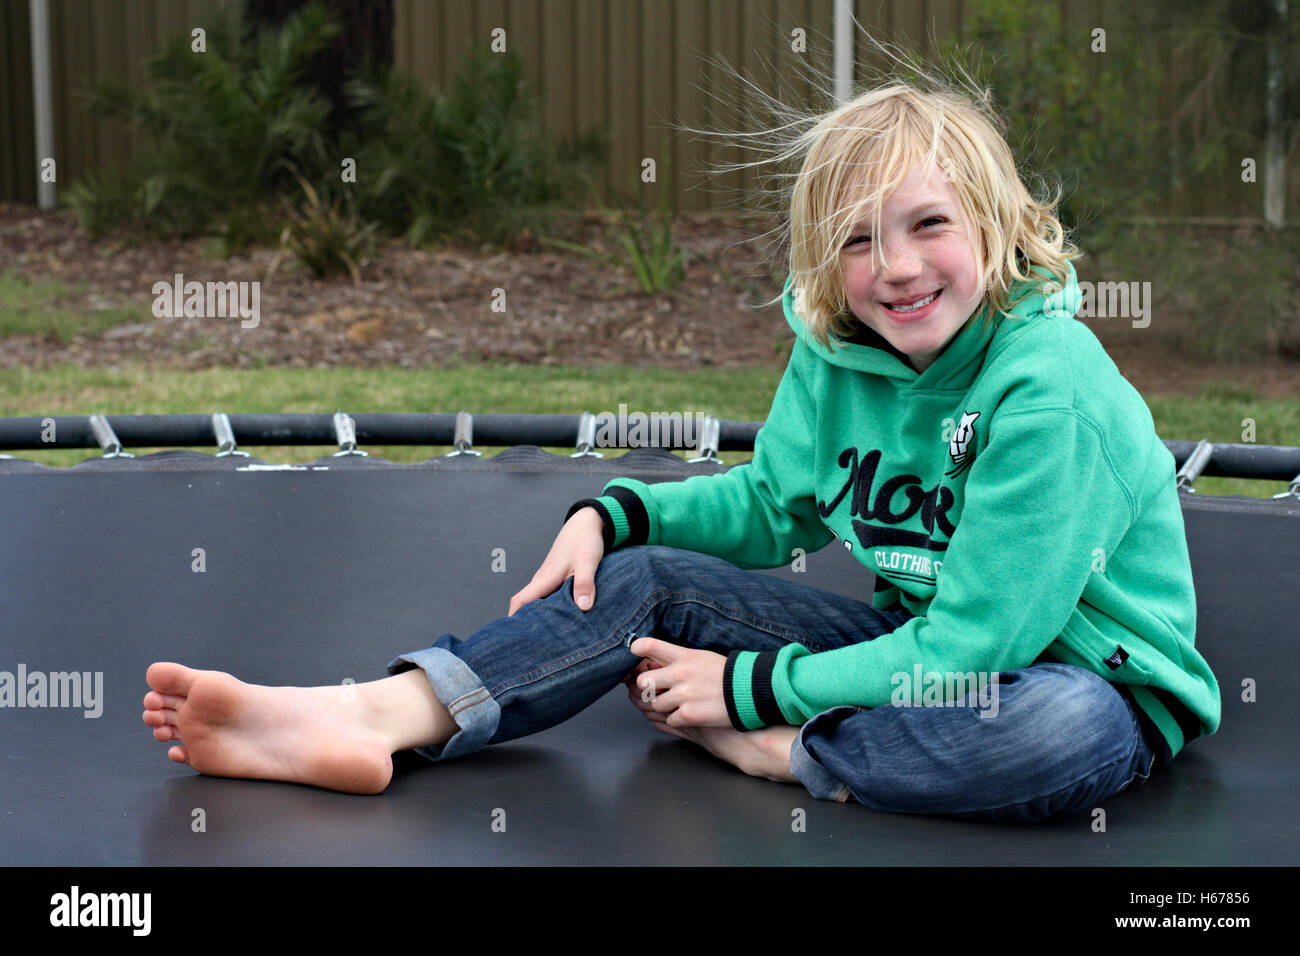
(1195, 464)
(225, 436)
(345, 431)
(1293, 491)
(107, 438)
(586, 437)
(710, 432)
(464, 436)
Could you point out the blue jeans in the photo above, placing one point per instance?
(1063, 739)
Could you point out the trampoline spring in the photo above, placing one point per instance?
(586, 437)
(708, 442)
(464, 436)
(1195, 464)
(225, 436)
(345, 431)
(1292, 491)
(107, 438)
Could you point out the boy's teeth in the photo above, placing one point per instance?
(915, 305)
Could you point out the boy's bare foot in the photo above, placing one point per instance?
(760, 753)
(324, 736)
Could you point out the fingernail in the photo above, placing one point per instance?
(584, 602)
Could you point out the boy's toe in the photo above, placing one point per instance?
(167, 677)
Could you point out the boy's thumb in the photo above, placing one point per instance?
(585, 598)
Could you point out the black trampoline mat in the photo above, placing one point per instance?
(320, 575)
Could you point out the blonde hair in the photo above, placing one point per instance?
(877, 137)
(884, 132)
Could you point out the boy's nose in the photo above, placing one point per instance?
(902, 263)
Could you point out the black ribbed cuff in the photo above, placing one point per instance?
(769, 712)
(606, 521)
(728, 696)
(634, 516)
(638, 521)
(757, 698)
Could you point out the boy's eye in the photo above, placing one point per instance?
(928, 219)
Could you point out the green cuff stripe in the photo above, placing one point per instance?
(742, 690)
(616, 515)
(1160, 716)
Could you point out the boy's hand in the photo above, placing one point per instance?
(687, 684)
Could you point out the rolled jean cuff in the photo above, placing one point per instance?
(459, 689)
(819, 781)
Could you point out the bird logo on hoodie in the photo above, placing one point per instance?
(960, 441)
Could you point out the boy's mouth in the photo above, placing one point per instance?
(915, 305)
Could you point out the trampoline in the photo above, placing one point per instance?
(320, 573)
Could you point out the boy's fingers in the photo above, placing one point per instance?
(660, 677)
(659, 651)
(523, 597)
(637, 697)
(636, 672)
(667, 702)
(584, 592)
(584, 580)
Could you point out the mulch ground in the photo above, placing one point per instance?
(432, 308)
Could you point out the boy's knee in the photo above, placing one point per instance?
(640, 565)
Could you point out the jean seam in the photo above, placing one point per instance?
(465, 701)
(767, 625)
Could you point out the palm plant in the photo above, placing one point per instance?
(227, 128)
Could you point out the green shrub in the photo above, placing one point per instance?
(649, 251)
(325, 238)
(472, 163)
(226, 129)
(1216, 294)
(1098, 136)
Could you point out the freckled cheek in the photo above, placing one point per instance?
(857, 283)
(959, 262)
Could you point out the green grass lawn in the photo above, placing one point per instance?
(33, 309)
(1216, 413)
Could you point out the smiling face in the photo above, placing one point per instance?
(929, 249)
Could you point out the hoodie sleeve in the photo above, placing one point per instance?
(753, 515)
(1041, 498)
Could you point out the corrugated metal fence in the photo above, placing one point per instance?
(632, 67)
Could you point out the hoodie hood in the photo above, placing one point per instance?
(868, 351)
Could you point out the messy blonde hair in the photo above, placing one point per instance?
(877, 137)
(884, 132)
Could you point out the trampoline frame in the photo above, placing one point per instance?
(346, 431)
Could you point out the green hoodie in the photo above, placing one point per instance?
(1014, 496)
